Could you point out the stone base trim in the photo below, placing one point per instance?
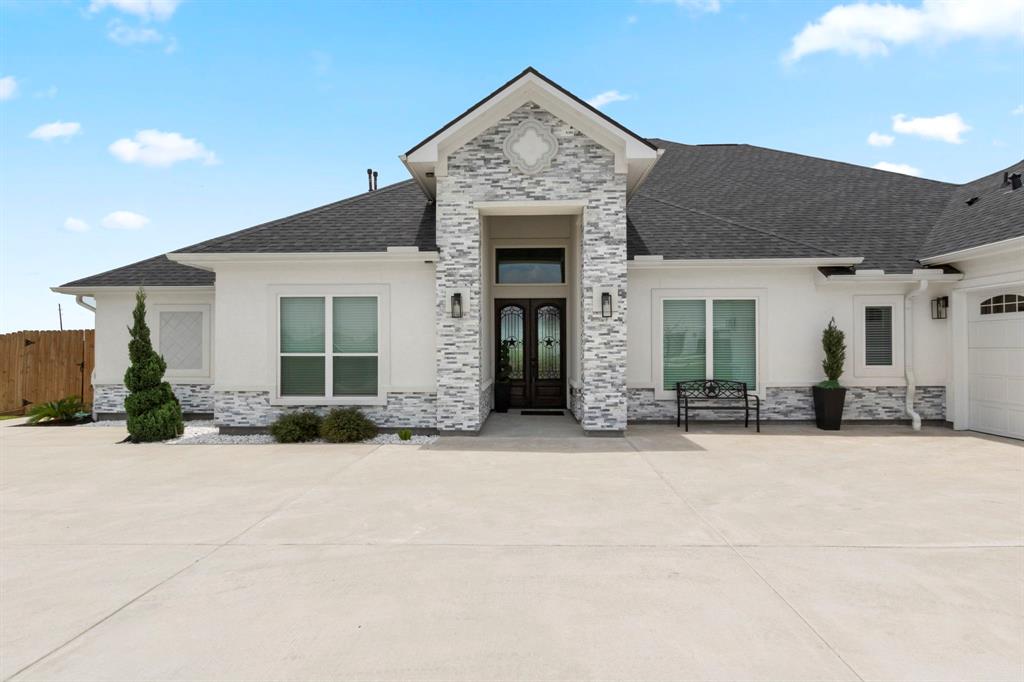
(253, 409)
(108, 399)
(863, 403)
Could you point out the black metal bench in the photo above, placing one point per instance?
(709, 393)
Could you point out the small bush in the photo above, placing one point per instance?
(297, 427)
(346, 426)
(405, 434)
(63, 410)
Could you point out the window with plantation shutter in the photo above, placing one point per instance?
(709, 338)
(878, 344)
(684, 341)
(328, 346)
(734, 345)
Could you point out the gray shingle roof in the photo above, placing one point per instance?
(781, 204)
(159, 271)
(396, 215)
(997, 215)
(699, 202)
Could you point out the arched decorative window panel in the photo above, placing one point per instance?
(1004, 303)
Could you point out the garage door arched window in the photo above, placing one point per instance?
(1004, 303)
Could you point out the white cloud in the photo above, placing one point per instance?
(48, 93)
(947, 127)
(8, 87)
(632, 19)
(51, 131)
(161, 10)
(607, 97)
(156, 148)
(1018, 111)
(701, 5)
(123, 34)
(124, 220)
(880, 140)
(904, 168)
(864, 29)
(76, 225)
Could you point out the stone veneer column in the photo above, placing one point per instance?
(481, 170)
(458, 340)
(603, 347)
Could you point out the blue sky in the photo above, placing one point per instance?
(259, 110)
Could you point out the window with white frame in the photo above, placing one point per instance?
(328, 346)
(182, 337)
(878, 335)
(709, 338)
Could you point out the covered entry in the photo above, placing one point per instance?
(531, 332)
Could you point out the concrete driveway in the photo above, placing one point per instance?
(873, 553)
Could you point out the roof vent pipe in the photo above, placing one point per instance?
(369, 179)
(1006, 178)
(374, 181)
(1015, 181)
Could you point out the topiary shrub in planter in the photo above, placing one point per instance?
(296, 427)
(346, 426)
(153, 411)
(829, 396)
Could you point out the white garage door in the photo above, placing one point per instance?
(995, 362)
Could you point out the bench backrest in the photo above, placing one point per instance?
(712, 389)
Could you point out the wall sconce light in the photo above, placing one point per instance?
(940, 308)
(457, 305)
(606, 304)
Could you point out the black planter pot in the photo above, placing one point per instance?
(828, 407)
(502, 397)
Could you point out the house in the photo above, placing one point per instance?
(611, 265)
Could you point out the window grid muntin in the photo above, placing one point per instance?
(1003, 303)
(328, 307)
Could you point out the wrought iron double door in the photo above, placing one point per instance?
(533, 331)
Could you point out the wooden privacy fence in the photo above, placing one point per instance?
(39, 366)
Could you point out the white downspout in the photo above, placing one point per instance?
(908, 350)
(80, 300)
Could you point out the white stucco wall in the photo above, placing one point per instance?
(246, 339)
(114, 317)
(794, 305)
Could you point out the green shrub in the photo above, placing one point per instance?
(404, 434)
(346, 426)
(63, 410)
(833, 342)
(297, 427)
(154, 413)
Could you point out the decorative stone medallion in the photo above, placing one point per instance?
(531, 146)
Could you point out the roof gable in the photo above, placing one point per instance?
(634, 155)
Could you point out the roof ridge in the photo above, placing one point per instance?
(739, 224)
(341, 202)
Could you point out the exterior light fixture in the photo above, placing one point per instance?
(940, 308)
(606, 304)
(457, 305)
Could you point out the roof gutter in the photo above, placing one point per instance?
(976, 251)
(80, 300)
(658, 262)
(93, 290)
(394, 254)
(867, 276)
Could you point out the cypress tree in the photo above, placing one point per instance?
(833, 342)
(153, 411)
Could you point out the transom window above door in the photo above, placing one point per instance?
(530, 266)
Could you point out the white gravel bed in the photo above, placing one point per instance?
(206, 433)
